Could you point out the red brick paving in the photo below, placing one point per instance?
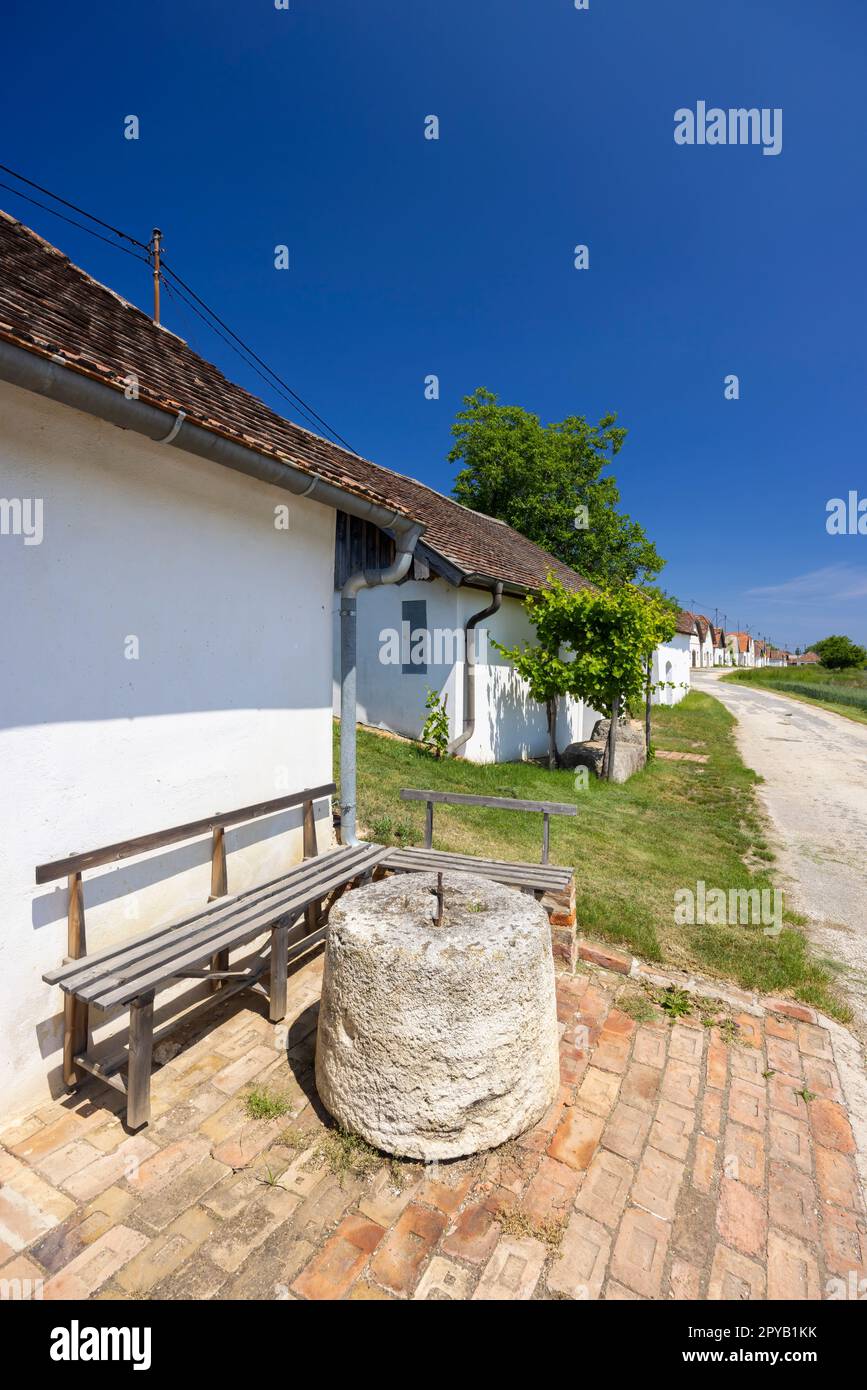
(679, 1161)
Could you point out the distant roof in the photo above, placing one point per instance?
(686, 623)
(50, 307)
(719, 637)
(743, 640)
(703, 625)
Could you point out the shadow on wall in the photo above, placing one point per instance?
(128, 877)
(516, 725)
(120, 883)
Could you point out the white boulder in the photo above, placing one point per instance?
(437, 1040)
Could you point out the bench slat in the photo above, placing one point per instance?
(530, 875)
(512, 873)
(157, 975)
(498, 803)
(132, 947)
(115, 982)
(140, 844)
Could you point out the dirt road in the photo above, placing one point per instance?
(815, 791)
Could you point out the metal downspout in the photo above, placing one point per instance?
(469, 719)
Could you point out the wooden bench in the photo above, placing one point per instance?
(532, 878)
(197, 947)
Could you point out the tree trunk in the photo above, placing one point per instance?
(551, 713)
(611, 746)
(647, 709)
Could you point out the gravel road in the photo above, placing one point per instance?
(815, 792)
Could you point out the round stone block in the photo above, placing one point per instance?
(437, 1039)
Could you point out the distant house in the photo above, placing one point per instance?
(688, 625)
(672, 662)
(705, 633)
(742, 648)
(464, 592)
(720, 648)
(806, 659)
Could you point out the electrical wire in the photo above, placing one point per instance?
(182, 289)
(178, 297)
(298, 400)
(72, 206)
(72, 223)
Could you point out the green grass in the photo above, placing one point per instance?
(260, 1103)
(631, 846)
(843, 692)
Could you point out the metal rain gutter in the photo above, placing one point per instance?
(58, 381)
(53, 378)
(469, 713)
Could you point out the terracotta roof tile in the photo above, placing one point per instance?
(51, 307)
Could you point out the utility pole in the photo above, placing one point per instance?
(155, 248)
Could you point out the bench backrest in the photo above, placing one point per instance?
(72, 867)
(497, 803)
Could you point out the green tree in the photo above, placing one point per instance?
(839, 653)
(594, 645)
(547, 679)
(538, 478)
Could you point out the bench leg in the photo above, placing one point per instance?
(279, 973)
(75, 1029)
(220, 961)
(141, 1046)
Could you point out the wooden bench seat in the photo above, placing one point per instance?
(130, 973)
(532, 878)
(537, 878)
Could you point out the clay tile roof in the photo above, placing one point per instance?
(742, 639)
(686, 623)
(50, 307)
(719, 637)
(703, 625)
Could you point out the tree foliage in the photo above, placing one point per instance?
(607, 637)
(839, 653)
(537, 478)
(435, 733)
(592, 644)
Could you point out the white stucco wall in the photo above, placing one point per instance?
(671, 662)
(229, 702)
(509, 725)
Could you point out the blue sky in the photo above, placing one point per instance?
(455, 257)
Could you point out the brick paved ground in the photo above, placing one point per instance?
(680, 1160)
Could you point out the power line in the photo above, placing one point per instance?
(73, 206)
(272, 379)
(72, 223)
(178, 297)
(293, 394)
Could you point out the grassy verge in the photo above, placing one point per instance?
(842, 692)
(632, 846)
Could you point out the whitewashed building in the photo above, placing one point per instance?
(672, 662)
(470, 575)
(167, 576)
(742, 648)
